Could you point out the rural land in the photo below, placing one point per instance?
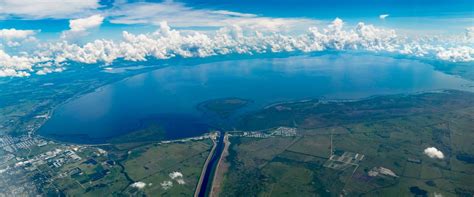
(368, 147)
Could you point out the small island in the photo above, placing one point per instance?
(223, 107)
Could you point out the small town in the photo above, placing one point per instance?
(44, 159)
(280, 131)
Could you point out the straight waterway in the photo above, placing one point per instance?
(206, 184)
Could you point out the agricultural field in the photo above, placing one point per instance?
(130, 169)
(168, 169)
(380, 154)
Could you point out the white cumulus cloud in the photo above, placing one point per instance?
(178, 177)
(383, 16)
(433, 152)
(15, 37)
(456, 54)
(175, 175)
(16, 66)
(180, 181)
(81, 25)
(167, 42)
(470, 34)
(166, 185)
(139, 185)
(13, 34)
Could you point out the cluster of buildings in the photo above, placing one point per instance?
(280, 131)
(253, 134)
(12, 144)
(344, 161)
(284, 131)
(15, 164)
(53, 158)
(376, 171)
(212, 135)
(35, 162)
(35, 170)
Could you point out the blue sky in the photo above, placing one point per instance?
(32, 32)
(342, 8)
(426, 15)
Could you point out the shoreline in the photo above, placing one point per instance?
(147, 69)
(341, 100)
(79, 94)
(441, 91)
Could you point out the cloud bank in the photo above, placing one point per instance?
(167, 42)
(181, 15)
(15, 37)
(34, 9)
(14, 34)
(433, 152)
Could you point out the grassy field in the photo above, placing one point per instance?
(392, 132)
(114, 172)
(152, 165)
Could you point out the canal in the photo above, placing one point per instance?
(206, 185)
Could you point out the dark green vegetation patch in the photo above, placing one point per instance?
(223, 107)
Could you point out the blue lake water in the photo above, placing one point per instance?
(169, 95)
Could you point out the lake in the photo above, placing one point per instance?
(168, 96)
